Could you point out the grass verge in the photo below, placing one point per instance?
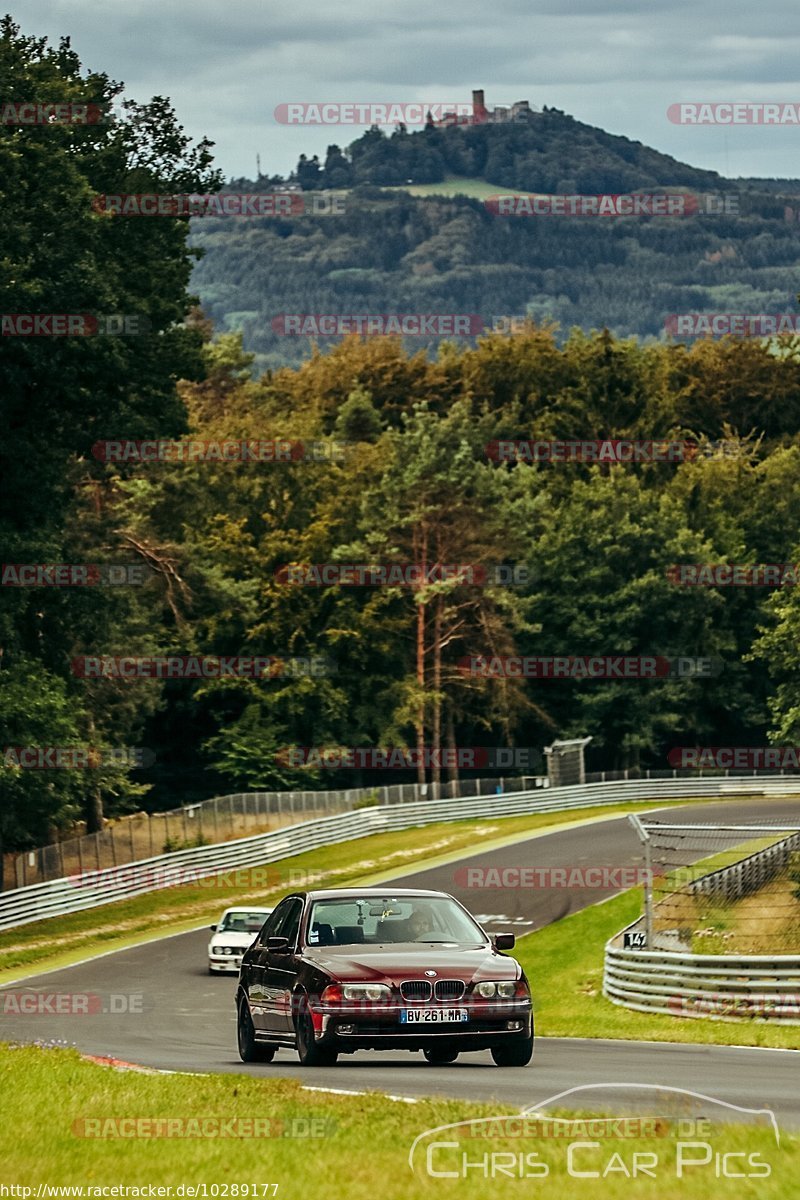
(177, 909)
(362, 1142)
(564, 963)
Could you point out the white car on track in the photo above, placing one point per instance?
(235, 931)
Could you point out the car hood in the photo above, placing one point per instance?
(470, 963)
(234, 938)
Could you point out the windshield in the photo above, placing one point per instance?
(242, 922)
(377, 920)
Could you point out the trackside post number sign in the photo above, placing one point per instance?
(634, 939)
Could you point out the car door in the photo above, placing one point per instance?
(262, 1003)
(281, 969)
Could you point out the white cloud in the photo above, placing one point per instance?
(226, 64)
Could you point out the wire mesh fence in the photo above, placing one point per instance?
(722, 889)
(224, 818)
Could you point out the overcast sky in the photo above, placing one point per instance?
(227, 64)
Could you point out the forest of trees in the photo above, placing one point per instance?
(415, 483)
(390, 251)
(395, 253)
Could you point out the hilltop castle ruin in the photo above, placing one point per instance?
(520, 110)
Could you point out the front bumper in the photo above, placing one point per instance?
(350, 1027)
(225, 963)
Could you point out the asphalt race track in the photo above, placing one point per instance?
(172, 1015)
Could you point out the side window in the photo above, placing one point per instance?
(290, 924)
(270, 926)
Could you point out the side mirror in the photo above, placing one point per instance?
(212, 928)
(504, 941)
(278, 945)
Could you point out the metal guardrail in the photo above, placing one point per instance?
(729, 987)
(93, 888)
(749, 874)
(725, 987)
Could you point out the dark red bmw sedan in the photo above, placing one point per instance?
(333, 971)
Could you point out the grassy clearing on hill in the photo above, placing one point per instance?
(454, 185)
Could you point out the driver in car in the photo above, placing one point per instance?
(420, 923)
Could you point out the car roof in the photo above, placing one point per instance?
(373, 893)
(249, 908)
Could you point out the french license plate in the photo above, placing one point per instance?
(432, 1016)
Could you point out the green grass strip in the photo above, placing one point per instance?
(360, 1151)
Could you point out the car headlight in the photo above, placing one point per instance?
(505, 988)
(366, 991)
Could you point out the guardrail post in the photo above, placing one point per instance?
(648, 893)
(644, 838)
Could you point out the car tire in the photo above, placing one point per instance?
(249, 1049)
(440, 1056)
(516, 1052)
(310, 1053)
